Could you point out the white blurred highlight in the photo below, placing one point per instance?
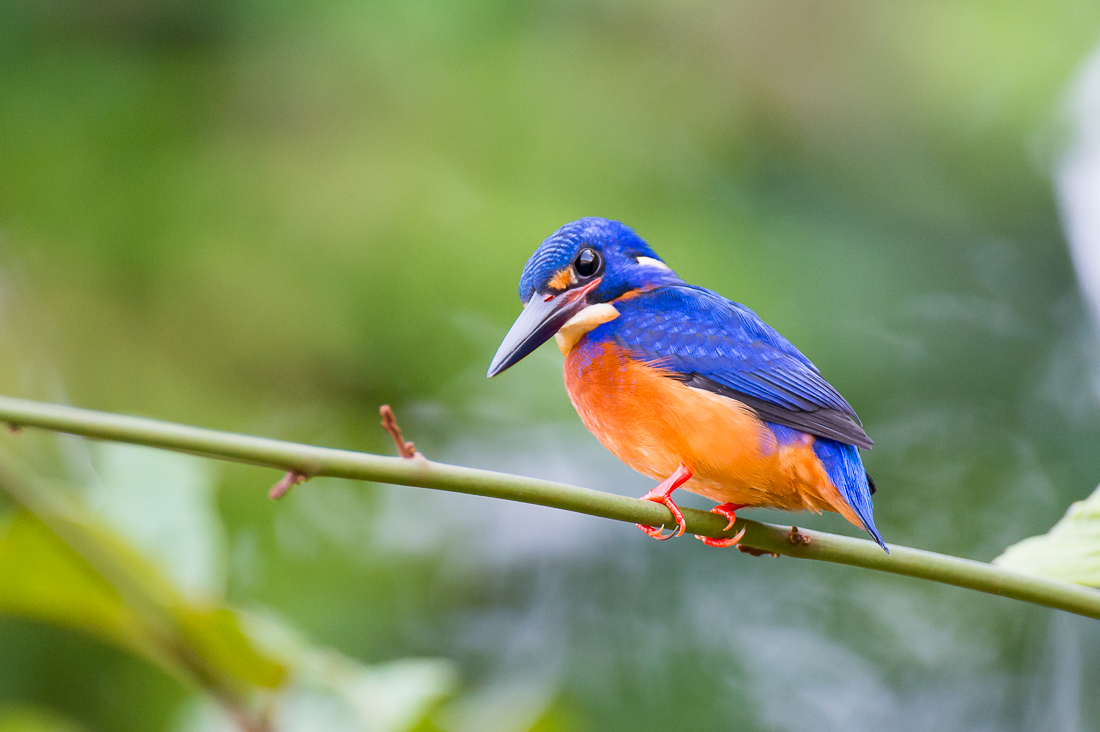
(1078, 181)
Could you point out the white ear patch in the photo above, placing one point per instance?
(651, 262)
(584, 321)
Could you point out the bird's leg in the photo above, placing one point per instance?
(727, 510)
(663, 494)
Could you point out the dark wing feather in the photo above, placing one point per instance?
(711, 343)
(820, 421)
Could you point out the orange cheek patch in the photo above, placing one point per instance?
(629, 294)
(562, 279)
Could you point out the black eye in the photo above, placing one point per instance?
(587, 262)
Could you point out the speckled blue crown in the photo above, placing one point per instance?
(562, 246)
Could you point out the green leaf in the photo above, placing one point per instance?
(26, 718)
(340, 694)
(59, 564)
(389, 697)
(1070, 551)
(218, 636)
(162, 503)
(42, 578)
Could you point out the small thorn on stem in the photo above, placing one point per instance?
(796, 538)
(14, 428)
(751, 550)
(389, 423)
(288, 481)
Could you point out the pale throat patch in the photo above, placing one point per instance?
(584, 321)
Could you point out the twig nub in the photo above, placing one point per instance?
(389, 423)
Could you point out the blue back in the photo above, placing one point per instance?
(713, 343)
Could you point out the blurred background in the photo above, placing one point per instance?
(272, 217)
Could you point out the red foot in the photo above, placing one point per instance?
(663, 494)
(727, 510)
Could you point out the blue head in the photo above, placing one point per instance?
(586, 262)
(624, 261)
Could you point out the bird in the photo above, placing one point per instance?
(685, 386)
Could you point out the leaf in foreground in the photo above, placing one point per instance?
(1070, 551)
(42, 578)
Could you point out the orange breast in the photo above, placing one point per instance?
(654, 423)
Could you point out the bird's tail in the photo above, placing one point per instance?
(845, 469)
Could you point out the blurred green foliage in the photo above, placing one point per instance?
(63, 567)
(28, 719)
(273, 217)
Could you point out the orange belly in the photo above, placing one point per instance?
(654, 423)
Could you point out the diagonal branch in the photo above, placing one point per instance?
(309, 460)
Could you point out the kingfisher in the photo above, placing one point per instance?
(686, 387)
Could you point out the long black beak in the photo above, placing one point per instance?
(541, 318)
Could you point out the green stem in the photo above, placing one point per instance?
(312, 461)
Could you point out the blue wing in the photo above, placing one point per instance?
(712, 343)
